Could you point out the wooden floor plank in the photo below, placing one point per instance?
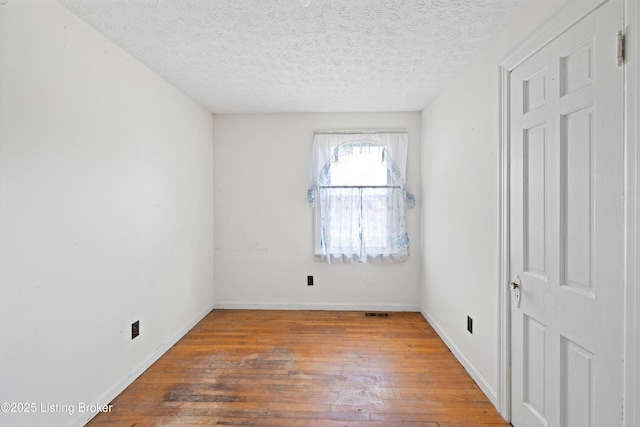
(305, 369)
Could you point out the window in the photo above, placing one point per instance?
(358, 191)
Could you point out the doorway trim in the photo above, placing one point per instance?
(632, 216)
(570, 14)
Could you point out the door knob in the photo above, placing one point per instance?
(516, 286)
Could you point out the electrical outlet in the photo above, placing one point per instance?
(135, 329)
(470, 325)
(309, 280)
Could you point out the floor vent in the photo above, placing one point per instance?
(376, 315)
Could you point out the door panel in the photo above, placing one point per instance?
(577, 386)
(566, 218)
(534, 144)
(576, 141)
(534, 369)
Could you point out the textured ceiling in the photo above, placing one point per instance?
(236, 56)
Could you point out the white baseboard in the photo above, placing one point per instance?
(315, 306)
(112, 393)
(484, 385)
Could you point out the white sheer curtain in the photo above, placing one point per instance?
(360, 218)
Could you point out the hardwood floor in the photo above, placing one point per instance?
(305, 368)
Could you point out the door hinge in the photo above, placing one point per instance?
(620, 50)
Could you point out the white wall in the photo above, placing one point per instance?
(264, 225)
(106, 208)
(460, 141)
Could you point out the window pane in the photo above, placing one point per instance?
(375, 225)
(341, 219)
(359, 166)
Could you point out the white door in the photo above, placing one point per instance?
(566, 216)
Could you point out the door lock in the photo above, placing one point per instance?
(515, 285)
